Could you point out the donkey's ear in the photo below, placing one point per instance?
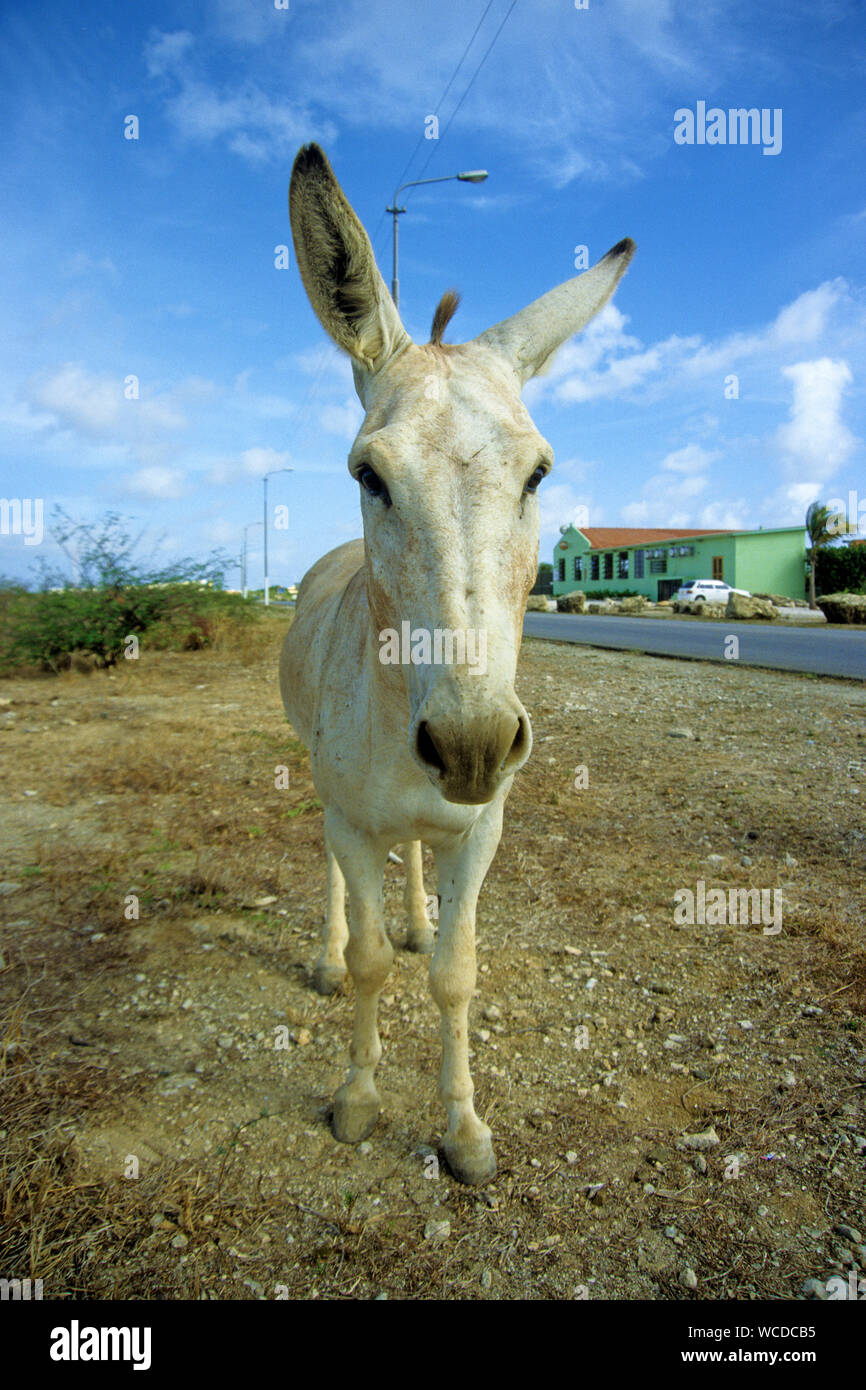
(529, 339)
(338, 267)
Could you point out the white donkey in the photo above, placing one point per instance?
(448, 462)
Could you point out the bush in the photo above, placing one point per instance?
(44, 629)
(841, 569)
(571, 603)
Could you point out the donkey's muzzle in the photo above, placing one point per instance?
(468, 753)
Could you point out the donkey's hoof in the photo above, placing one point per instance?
(473, 1164)
(423, 943)
(327, 979)
(354, 1120)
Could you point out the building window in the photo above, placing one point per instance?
(622, 566)
(578, 566)
(560, 570)
(658, 562)
(593, 567)
(608, 565)
(718, 567)
(638, 564)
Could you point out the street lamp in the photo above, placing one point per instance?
(248, 527)
(265, 481)
(470, 176)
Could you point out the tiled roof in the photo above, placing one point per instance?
(609, 537)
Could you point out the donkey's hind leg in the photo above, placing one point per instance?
(330, 968)
(421, 937)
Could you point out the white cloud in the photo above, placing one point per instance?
(816, 438)
(157, 482)
(669, 497)
(260, 461)
(343, 420)
(96, 407)
(607, 361)
(693, 458)
(163, 52)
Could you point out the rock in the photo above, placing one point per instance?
(7, 886)
(486, 1279)
(180, 1241)
(634, 604)
(848, 1233)
(571, 1158)
(680, 733)
(813, 1288)
(536, 603)
(788, 1080)
(437, 1232)
(493, 1013)
(843, 608)
(571, 603)
(687, 1278)
(178, 1081)
(739, 606)
(708, 1139)
(782, 601)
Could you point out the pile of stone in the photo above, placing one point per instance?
(843, 608)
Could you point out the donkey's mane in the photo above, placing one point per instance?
(445, 311)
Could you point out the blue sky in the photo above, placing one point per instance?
(154, 257)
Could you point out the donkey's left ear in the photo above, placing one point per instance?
(338, 267)
(529, 339)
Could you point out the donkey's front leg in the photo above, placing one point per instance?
(330, 968)
(421, 936)
(461, 868)
(368, 955)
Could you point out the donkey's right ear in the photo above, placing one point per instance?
(338, 267)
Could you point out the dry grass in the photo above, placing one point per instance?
(158, 781)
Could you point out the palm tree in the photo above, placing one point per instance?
(821, 533)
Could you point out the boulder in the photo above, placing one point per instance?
(843, 608)
(781, 601)
(571, 603)
(635, 604)
(741, 606)
(536, 603)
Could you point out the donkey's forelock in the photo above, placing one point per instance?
(445, 311)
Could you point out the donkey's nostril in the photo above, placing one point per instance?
(518, 751)
(427, 750)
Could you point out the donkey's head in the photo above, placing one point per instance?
(448, 461)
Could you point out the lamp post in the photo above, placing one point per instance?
(470, 176)
(265, 481)
(248, 527)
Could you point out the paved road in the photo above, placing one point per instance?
(825, 651)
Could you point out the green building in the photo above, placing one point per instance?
(655, 561)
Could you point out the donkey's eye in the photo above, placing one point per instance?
(532, 483)
(372, 483)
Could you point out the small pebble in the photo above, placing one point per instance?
(437, 1232)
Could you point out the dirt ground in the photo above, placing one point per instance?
(166, 1078)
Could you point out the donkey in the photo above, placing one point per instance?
(419, 750)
